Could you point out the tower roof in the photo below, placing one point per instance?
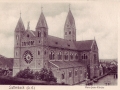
(20, 25)
(70, 18)
(42, 21)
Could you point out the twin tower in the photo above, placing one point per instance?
(69, 27)
(31, 47)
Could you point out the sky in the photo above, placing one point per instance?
(92, 18)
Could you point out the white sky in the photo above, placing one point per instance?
(93, 19)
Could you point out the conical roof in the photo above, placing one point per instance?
(42, 21)
(20, 25)
(70, 18)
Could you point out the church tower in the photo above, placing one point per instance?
(18, 34)
(42, 37)
(70, 28)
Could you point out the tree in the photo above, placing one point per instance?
(43, 75)
(26, 74)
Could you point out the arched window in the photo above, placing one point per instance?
(76, 56)
(75, 72)
(52, 55)
(44, 34)
(16, 53)
(70, 32)
(71, 56)
(38, 52)
(39, 34)
(63, 75)
(60, 55)
(27, 35)
(17, 37)
(84, 56)
(66, 55)
(70, 74)
(45, 52)
(95, 58)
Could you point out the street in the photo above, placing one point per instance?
(107, 80)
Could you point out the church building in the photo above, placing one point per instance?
(71, 61)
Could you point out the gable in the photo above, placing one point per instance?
(94, 46)
(29, 34)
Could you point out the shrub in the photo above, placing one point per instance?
(43, 75)
(26, 74)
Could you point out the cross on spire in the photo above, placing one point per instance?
(69, 6)
(20, 13)
(41, 9)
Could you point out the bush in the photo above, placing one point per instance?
(26, 74)
(43, 75)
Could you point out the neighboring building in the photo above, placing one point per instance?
(6, 64)
(70, 60)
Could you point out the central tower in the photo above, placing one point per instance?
(70, 28)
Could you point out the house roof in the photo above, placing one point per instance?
(66, 64)
(84, 45)
(7, 61)
(61, 43)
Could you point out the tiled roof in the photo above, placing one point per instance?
(84, 45)
(42, 21)
(70, 18)
(61, 43)
(66, 64)
(20, 25)
(7, 61)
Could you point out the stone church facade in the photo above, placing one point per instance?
(71, 61)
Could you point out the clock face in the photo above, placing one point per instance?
(28, 57)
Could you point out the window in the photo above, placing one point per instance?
(94, 47)
(51, 55)
(71, 56)
(84, 56)
(63, 75)
(39, 34)
(44, 34)
(45, 52)
(95, 58)
(16, 53)
(17, 37)
(69, 45)
(27, 35)
(70, 32)
(70, 74)
(32, 42)
(59, 55)
(56, 42)
(80, 71)
(76, 56)
(75, 72)
(65, 33)
(66, 56)
(38, 52)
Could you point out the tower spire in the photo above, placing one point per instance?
(69, 6)
(28, 28)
